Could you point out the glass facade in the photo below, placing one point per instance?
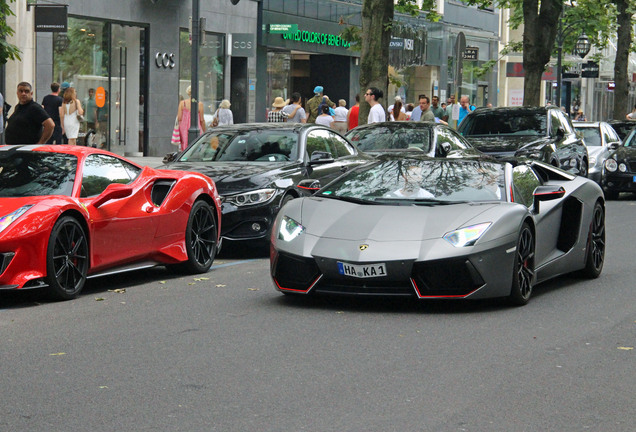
(95, 56)
(211, 71)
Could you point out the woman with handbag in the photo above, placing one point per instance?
(71, 114)
(223, 116)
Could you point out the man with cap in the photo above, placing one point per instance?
(314, 103)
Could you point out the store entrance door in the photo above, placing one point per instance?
(126, 98)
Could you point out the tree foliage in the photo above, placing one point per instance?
(7, 51)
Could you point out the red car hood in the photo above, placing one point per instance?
(8, 205)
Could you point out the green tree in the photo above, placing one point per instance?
(625, 43)
(7, 50)
(373, 41)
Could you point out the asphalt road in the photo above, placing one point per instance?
(151, 351)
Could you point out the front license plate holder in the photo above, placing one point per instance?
(362, 270)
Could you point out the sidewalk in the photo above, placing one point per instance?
(151, 161)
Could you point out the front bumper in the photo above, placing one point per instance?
(619, 182)
(247, 223)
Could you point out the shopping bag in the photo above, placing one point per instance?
(176, 136)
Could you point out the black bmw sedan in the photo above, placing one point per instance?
(258, 167)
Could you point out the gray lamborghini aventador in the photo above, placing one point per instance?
(408, 225)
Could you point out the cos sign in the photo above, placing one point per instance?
(165, 60)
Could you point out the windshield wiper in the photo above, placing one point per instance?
(417, 201)
(347, 199)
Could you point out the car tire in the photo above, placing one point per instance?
(200, 239)
(595, 256)
(66, 259)
(610, 195)
(287, 198)
(523, 268)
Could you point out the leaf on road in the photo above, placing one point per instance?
(220, 286)
(103, 387)
(162, 282)
(99, 299)
(118, 290)
(58, 354)
(340, 312)
(626, 348)
(201, 279)
(253, 289)
(191, 283)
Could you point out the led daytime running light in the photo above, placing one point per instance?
(7, 220)
(466, 236)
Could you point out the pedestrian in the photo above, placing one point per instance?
(631, 115)
(70, 113)
(325, 118)
(417, 111)
(352, 116)
(276, 115)
(51, 104)
(90, 111)
(464, 109)
(580, 116)
(449, 109)
(223, 115)
(340, 117)
(1, 116)
(397, 98)
(314, 103)
(376, 113)
(29, 123)
(427, 113)
(437, 110)
(294, 110)
(184, 118)
(396, 113)
(409, 111)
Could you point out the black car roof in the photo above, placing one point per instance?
(296, 127)
(520, 109)
(400, 125)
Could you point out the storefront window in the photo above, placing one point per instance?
(278, 75)
(211, 71)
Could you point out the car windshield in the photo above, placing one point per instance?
(505, 123)
(630, 141)
(416, 181)
(242, 146)
(384, 138)
(32, 173)
(591, 135)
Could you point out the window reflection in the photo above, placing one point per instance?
(102, 170)
(25, 174)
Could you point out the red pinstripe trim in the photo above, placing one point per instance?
(298, 290)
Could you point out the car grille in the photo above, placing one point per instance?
(631, 164)
(295, 273)
(446, 278)
(364, 287)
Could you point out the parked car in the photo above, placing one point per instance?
(259, 167)
(434, 139)
(542, 133)
(600, 139)
(430, 229)
(69, 213)
(623, 127)
(620, 168)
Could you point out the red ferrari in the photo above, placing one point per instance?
(69, 212)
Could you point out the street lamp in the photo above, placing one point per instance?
(582, 48)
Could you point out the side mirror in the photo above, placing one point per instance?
(445, 148)
(547, 193)
(170, 157)
(613, 145)
(309, 185)
(112, 192)
(320, 157)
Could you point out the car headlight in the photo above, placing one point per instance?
(250, 198)
(466, 236)
(7, 220)
(289, 229)
(592, 161)
(622, 167)
(611, 165)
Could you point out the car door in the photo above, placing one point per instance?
(120, 228)
(323, 140)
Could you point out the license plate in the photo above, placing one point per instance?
(362, 271)
(634, 179)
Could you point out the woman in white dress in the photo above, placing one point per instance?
(70, 109)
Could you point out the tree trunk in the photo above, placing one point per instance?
(377, 17)
(539, 33)
(624, 33)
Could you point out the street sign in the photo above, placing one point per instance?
(611, 86)
(471, 53)
(51, 18)
(589, 70)
(282, 28)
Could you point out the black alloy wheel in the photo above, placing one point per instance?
(595, 244)
(67, 259)
(201, 238)
(523, 273)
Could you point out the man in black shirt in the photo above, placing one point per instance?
(29, 123)
(52, 104)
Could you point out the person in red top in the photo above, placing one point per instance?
(352, 116)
